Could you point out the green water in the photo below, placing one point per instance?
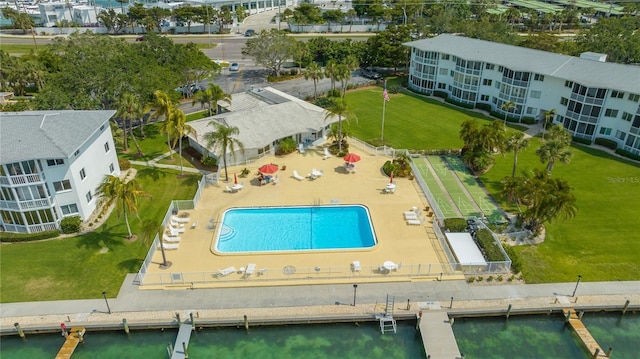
(616, 331)
(538, 336)
(339, 340)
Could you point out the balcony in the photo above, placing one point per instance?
(33, 228)
(21, 179)
(26, 205)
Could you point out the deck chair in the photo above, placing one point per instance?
(225, 272)
(411, 215)
(230, 190)
(416, 222)
(170, 239)
(179, 220)
(300, 147)
(175, 231)
(326, 153)
(249, 271)
(355, 266)
(170, 245)
(297, 176)
(176, 225)
(416, 211)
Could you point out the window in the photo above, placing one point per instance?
(111, 168)
(442, 86)
(490, 66)
(55, 162)
(69, 209)
(538, 77)
(102, 128)
(534, 94)
(620, 135)
(63, 185)
(106, 147)
(531, 110)
(89, 196)
(605, 131)
(484, 98)
(617, 94)
(568, 84)
(76, 153)
(83, 174)
(627, 116)
(445, 56)
(634, 97)
(487, 82)
(500, 68)
(564, 101)
(611, 112)
(497, 85)
(444, 72)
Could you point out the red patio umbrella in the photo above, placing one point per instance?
(391, 177)
(268, 169)
(352, 157)
(235, 179)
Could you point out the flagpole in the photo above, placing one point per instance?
(384, 105)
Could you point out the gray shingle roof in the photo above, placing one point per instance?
(46, 134)
(586, 72)
(263, 123)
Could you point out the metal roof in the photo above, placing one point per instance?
(586, 72)
(47, 134)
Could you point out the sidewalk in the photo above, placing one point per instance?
(154, 163)
(314, 301)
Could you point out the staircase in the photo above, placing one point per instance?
(387, 323)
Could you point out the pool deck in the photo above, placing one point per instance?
(413, 246)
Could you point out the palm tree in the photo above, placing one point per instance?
(129, 110)
(205, 98)
(558, 133)
(552, 151)
(314, 72)
(507, 106)
(162, 104)
(343, 74)
(124, 194)
(224, 138)
(181, 128)
(149, 230)
(548, 119)
(339, 108)
(546, 199)
(330, 72)
(217, 95)
(516, 143)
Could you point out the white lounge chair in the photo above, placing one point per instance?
(179, 219)
(326, 153)
(176, 225)
(170, 239)
(170, 245)
(297, 176)
(416, 222)
(226, 271)
(355, 266)
(249, 271)
(175, 231)
(300, 147)
(230, 190)
(416, 211)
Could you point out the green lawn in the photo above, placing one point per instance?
(601, 243)
(74, 268)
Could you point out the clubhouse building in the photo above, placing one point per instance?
(591, 98)
(51, 163)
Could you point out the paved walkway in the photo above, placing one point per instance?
(154, 163)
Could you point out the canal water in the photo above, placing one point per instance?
(616, 331)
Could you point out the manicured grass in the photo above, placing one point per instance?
(152, 145)
(176, 160)
(19, 49)
(74, 268)
(601, 243)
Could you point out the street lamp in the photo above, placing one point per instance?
(104, 295)
(576, 288)
(355, 288)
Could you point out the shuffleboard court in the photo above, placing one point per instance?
(442, 199)
(451, 183)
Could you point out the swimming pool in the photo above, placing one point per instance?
(298, 228)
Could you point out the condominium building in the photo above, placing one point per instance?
(51, 163)
(591, 98)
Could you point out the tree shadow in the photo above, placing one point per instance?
(131, 265)
(190, 180)
(105, 236)
(152, 172)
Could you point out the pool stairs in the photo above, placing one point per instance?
(387, 323)
(182, 341)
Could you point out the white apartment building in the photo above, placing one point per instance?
(51, 163)
(592, 98)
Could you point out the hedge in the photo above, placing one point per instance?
(584, 141)
(627, 154)
(455, 225)
(606, 143)
(124, 164)
(516, 264)
(70, 224)
(491, 250)
(26, 237)
(528, 120)
(460, 104)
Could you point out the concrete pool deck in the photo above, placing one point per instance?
(414, 246)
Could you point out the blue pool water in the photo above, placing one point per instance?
(267, 229)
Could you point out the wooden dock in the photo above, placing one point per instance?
(583, 333)
(437, 336)
(75, 337)
(184, 335)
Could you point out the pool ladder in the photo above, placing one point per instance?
(387, 322)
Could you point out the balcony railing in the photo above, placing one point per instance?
(21, 179)
(34, 228)
(25, 205)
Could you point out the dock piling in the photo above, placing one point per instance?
(580, 314)
(20, 331)
(408, 304)
(596, 353)
(418, 319)
(508, 311)
(193, 322)
(626, 306)
(178, 318)
(246, 323)
(566, 318)
(170, 349)
(609, 352)
(184, 348)
(125, 325)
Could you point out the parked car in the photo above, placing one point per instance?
(139, 38)
(370, 74)
(249, 32)
(234, 67)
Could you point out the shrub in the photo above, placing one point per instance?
(457, 103)
(334, 93)
(500, 279)
(25, 237)
(606, 143)
(490, 278)
(394, 89)
(440, 94)
(323, 102)
(627, 154)
(479, 278)
(293, 72)
(70, 224)
(584, 141)
(124, 164)
(209, 161)
(455, 224)
(286, 146)
(528, 120)
(487, 242)
(484, 106)
(471, 279)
